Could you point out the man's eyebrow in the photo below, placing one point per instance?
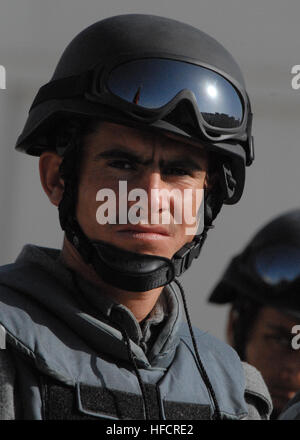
(182, 162)
(120, 153)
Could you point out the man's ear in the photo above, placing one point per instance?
(230, 324)
(51, 180)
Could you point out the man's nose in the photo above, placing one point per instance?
(151, 179)
(156, 189)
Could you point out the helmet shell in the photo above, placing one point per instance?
(133, 35)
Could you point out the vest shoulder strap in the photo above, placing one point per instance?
(223, 367)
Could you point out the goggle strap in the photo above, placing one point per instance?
(63, 88)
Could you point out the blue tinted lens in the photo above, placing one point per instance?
(277, 264)
(153, 82)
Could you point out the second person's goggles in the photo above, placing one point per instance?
(278, 264)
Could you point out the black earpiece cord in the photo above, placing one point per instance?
(203, 373)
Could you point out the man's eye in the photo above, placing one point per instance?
(122, 164)
(283, 341)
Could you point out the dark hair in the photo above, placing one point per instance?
(65, 130)
(245, 311)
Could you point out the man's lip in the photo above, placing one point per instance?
(146, 229)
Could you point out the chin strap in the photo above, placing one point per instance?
(129, 270)
(125, 269)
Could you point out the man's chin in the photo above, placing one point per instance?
(146, 247)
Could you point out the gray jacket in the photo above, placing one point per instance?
(292, 410)
(66, 356)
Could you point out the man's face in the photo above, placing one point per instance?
(270, 350)
(148, 161)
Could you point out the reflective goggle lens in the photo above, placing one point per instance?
(153, 82)
(278, 264)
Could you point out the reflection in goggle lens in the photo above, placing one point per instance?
(278, 264)
(152, 83)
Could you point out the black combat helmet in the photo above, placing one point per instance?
(268, 270)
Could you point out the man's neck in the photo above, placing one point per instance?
(139, 303)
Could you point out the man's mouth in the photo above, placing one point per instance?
(145, 232)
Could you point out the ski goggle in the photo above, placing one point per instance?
(278, 265)
(152, 83)
(148, 89)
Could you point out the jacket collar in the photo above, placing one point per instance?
(46, 263)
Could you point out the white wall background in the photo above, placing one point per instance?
(263, 35)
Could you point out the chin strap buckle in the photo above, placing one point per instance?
(184, 257)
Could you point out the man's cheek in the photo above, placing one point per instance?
(193, 209)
